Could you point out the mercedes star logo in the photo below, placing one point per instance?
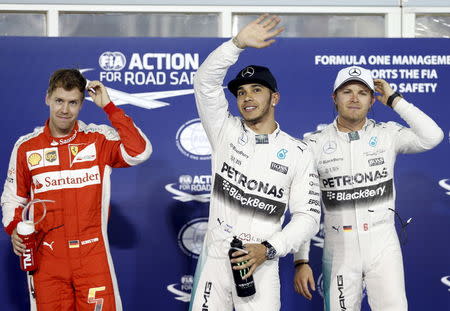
(330, 147)
(354, 72)
(248, 72)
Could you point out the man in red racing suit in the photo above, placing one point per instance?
(70, 163)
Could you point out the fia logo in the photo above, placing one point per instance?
(373, 141)
(282, 154)
(112, 61)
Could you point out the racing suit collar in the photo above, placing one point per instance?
(361, 132)
(271, 137)
(56, 141)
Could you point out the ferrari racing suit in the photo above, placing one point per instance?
(356, 172)
(255, 178)
(75, 269)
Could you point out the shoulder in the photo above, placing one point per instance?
(29, 137)
(298, 146)
(101, 129)
(389, 126)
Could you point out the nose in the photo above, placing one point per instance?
(354, 98)
(65, 108)
(248, 98)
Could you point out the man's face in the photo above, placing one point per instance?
(255, 102)
(64, 109)
(353, 101)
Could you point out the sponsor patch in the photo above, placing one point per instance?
(363, 195)
(42, 157)
(347, 228)
(279, 168)
(376, 161)
(66, 179)
(82, 154)
(262, 139)
(247, 202)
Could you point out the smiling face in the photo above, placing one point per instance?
(353, 101)
(256, 103)
(64, 109)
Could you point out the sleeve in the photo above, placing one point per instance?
(423, 134)
(303, 252)
(210, 98)
(128, 146)
(16, 191)
(304, 205)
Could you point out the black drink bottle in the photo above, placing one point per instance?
(244, 288)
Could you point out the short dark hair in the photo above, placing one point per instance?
(68, 79)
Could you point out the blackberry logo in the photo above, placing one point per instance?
(331, 195)
(226, 185)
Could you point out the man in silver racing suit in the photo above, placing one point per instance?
(355, 158)
(258, 171)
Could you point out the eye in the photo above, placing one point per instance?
(73, 103)
(59, 101)
(240, 93)
(257, 89)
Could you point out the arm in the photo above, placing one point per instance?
(15, 195)
(423, 134)
(304, 204)
(209, 94)
(129, 146)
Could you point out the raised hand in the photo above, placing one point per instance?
(259, 33)
(98, 93)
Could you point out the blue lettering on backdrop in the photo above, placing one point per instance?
(158, 209)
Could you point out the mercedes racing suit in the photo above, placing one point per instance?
(356, 172)
(75, 268)
(255, 178)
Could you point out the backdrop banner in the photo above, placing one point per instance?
(159, 210)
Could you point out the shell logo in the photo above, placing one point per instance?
(34, 159)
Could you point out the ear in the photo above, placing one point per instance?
(333, 96)
(47, 100)
(373, 101)
(274, 99)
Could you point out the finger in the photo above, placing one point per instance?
(249, 273)
(306, 291)
(266, 43)
(275, 32)
(269, 19)
(238, 253)
(244, 263)
(261, 18)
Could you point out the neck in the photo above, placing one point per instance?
(348, 125)
(262, 127)
(59, 133)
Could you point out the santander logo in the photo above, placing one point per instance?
(66, 179)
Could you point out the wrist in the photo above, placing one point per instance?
(237, 43)
(393, 99)
(270, 250)
(301, 263)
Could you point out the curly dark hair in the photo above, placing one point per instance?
(68, 79)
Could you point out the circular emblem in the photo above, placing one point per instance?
(354, 72)
(191, 236)
(329, 147)
(112, 61)
(248, 72)
(34, 159)
(282, 154)
(192, 140)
